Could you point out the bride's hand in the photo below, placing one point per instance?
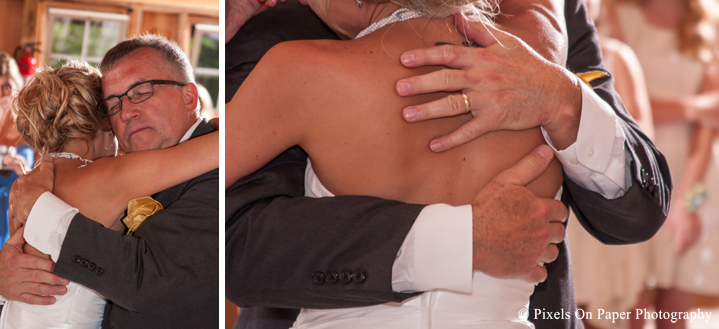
(28, 188)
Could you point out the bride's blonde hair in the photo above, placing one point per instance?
(473, 10)
(60, 105)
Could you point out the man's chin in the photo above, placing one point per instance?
(136, 147)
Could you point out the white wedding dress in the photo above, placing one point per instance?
(493, 303)
(79, 308)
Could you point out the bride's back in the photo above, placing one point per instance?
(338, 98)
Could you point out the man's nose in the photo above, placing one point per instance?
(129, 109)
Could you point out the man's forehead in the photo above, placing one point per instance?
(136, 67)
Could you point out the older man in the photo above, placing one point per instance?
(165, 275)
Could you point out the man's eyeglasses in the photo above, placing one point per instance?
(137, 94)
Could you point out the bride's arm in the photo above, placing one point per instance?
(261, 124)
(102, 189)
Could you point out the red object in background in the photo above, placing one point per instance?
(27, 63)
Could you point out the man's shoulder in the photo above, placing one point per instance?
(202, 187)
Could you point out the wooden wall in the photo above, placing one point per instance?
(24, 20)
(11, 25)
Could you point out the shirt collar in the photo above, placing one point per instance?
(191, 130)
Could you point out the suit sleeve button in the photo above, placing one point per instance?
(99, 271)
(318, 277)
(83, 262)
(346, 277)
(359, 276)
(76, 259)
(331, 277)
(91, 266)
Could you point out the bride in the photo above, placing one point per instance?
(336, 100)
(57, 116)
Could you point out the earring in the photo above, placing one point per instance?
(358, 3)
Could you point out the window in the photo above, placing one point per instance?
(205, 58)
(82, 34)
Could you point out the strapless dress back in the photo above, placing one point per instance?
(492, 304)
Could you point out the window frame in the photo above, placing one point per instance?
(87, 16)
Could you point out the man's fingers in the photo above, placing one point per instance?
(557, 211)
(442, 80)
(528, 168)
(36, 300)
(17, 240)
(47, 165)
(32, 262)
(538, 274)
(465, 133)
(550, 254)
(557, 232)
(456, 57)
(482, 34)
(445, 107)
(36, 288)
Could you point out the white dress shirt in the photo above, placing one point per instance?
(50, 218)
(436, 254)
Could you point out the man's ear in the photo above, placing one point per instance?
(190, 97)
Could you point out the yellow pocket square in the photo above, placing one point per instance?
(587, 77)
(138, 210)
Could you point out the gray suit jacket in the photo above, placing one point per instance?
(166, 275)
(364, 233)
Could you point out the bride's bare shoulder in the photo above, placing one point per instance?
(309, 56)
(301, 67)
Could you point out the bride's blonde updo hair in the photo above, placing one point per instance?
(60, 105)
(473, 10)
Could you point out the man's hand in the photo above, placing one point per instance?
(515, 232)
(27, 278)
(238, 12)
(509, 87)
(28, 188)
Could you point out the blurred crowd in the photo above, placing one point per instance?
(664, 56)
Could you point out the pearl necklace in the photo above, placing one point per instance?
(398, 15)
(69, 155)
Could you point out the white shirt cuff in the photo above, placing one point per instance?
(47, 224)
(437, 252)
(596, 161)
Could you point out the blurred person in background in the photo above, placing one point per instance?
(676, 43)
(16, 155)
(611, 277)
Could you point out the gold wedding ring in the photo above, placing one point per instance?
(466, 102)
